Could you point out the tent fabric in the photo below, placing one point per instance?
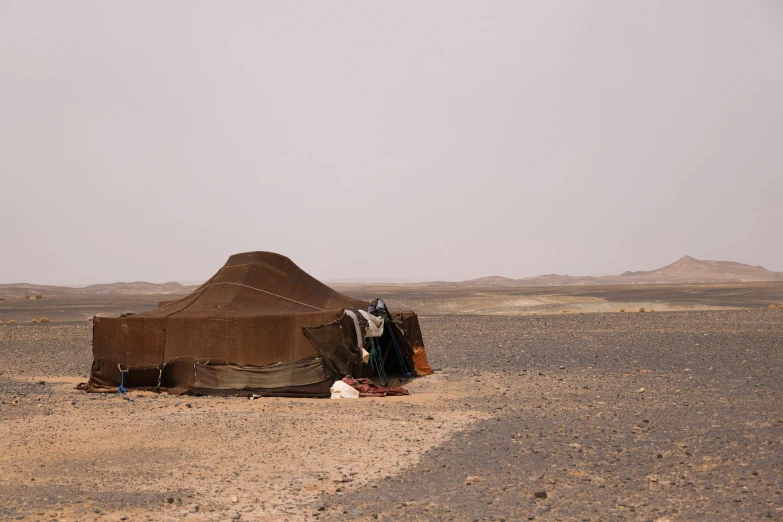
(420, 363)
(278, 375)
(260, 324)
(336, 344)
(318, 390)
(410, 323)
(357, 327)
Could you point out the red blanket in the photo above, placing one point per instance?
(367, 388)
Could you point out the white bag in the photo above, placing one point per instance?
(340, 390)
(374, 326)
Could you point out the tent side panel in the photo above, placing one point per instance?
(281, 375)
(317, 390)
(264, 339)
(185, 339)
(108, 339)
(178, 377)
(144, 344)
(256, 340)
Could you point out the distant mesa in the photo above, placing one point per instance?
(685, 270)
(690, 269)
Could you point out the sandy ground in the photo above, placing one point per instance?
(653, 416)
(67, 455)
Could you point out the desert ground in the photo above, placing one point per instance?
(532, 414)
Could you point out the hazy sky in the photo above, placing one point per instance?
(394, 140)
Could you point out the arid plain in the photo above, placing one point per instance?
(671, 414)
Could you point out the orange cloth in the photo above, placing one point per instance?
(420, 361)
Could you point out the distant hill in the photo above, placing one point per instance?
(685, 270)
(22, 290)
(493, 282)
(690, 269)
(140, 287)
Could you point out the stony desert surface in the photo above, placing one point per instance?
(529, 300)
(533, 414)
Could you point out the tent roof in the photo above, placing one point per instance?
(257, 283)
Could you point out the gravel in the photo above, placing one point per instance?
(639, 416)
(703, 441)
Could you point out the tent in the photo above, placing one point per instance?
(260, 325)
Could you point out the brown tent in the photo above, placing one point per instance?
(260, 325)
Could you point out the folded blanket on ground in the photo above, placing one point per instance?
(367, 388)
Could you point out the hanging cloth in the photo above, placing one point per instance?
(374, 324)
(359, 335)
